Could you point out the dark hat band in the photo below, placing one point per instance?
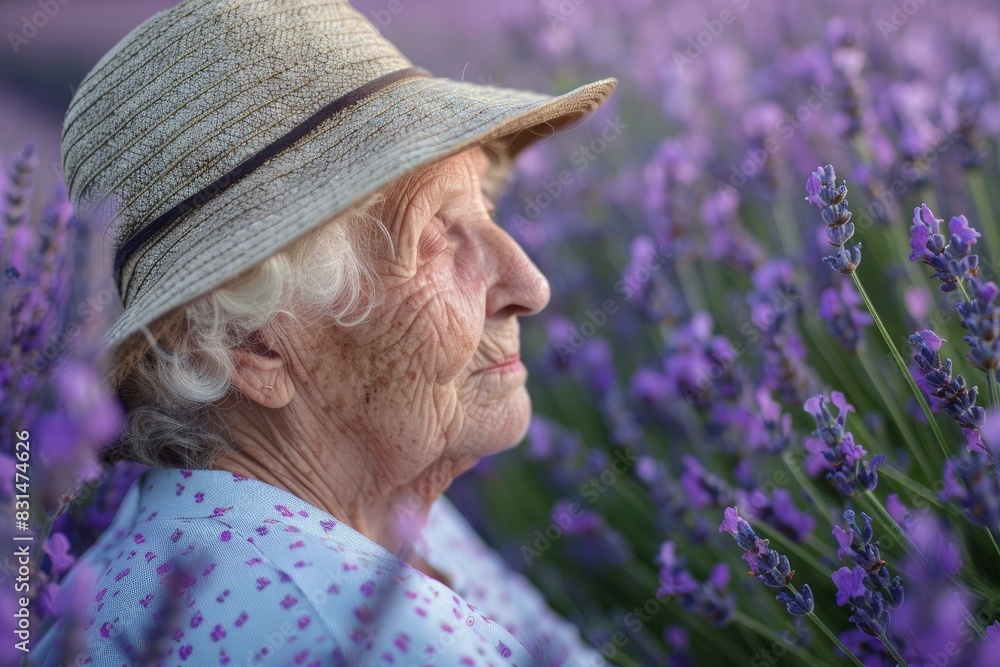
(145, 233)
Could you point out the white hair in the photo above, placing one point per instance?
(171, 396)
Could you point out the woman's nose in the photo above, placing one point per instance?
(519, 287)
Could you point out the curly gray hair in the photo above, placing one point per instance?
(172, 394)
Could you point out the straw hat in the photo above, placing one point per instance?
(220, 131)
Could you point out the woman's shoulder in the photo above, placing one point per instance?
(487, 582)
(203, 569)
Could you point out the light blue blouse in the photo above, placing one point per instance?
(208, 567)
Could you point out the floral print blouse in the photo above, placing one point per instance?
(209, 567)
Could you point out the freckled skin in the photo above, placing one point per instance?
(373, 422)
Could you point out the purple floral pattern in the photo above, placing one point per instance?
(208, 567)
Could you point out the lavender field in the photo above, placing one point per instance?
(774, 260)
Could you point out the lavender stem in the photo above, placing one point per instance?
(902, 365)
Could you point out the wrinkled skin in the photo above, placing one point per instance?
(366, 420)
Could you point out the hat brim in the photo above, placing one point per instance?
(343, 161)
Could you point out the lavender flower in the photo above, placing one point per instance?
(701, 487)
(952, 260)
(710, 599)
(699, 365)
(767, 564)
(981, 318)
(772, 429)
(867, 586)
(832, 199)
(842, 307)
(19, 237)
(780, 512)
(972, 483)
(966, 95)
(951, 393)
(728, 241)
(773, 303)
(847, 469)
(847, 63)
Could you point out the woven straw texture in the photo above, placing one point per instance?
(199, 88)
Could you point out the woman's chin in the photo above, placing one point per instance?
(512, 425)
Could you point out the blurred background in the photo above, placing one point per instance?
(692, 313)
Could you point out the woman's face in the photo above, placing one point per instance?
(432, 380)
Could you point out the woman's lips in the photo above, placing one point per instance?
(509, 364)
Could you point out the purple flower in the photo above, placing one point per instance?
(918, 301)
(959, 227)
(981, 318)
(925, 225)
(842, 307)
(844, 539)
(771, 430)
(867, 587)
(847, 470)
(814, 184)
(973, 483)
(772, 568)
(730, 522)
(57, 548)
(850, 584)
(710, 599)
(832, 199)
(779, 512)
(950, 393)
(773, 304)
(897, 510)
(702, 488)
(728, 241)
(951, 259)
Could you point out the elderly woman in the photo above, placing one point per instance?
(320, 331)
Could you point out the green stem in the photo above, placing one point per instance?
(764, 631)
(625, 661)
(788, 231)
(826, 631)
(981, 198)
(892, 649)
(902, 365)
(42, 536)
(902, 423)
(899, 530)
(991, 382)
(812, 494)
(903, 479)
(993, 540)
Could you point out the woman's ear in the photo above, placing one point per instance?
(260, 373)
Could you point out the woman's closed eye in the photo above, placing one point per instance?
(433, 239)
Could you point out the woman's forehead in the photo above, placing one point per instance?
(453, 174)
